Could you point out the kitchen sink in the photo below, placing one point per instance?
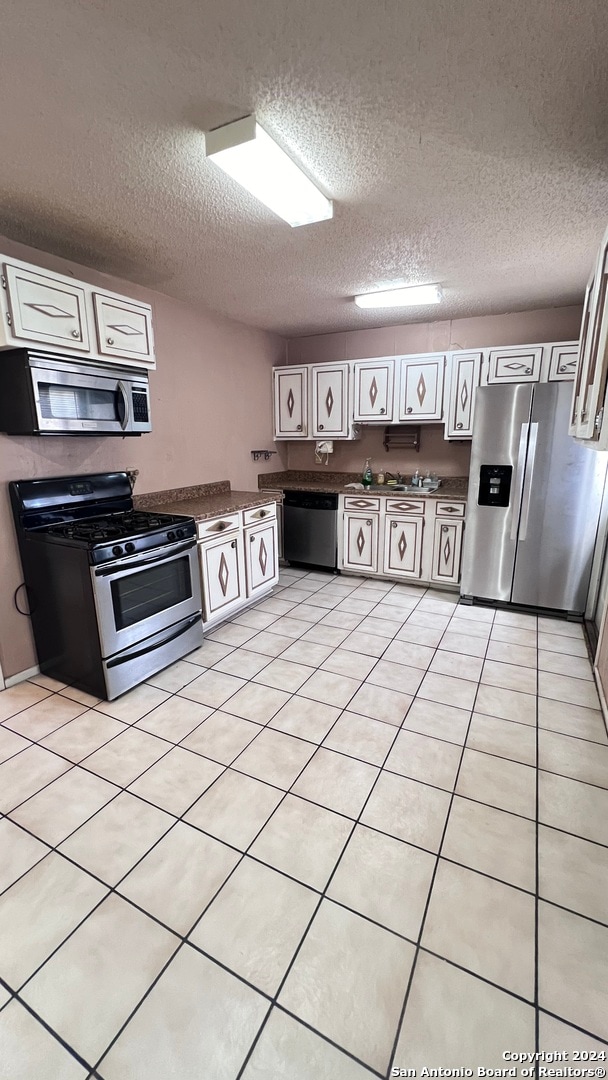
(409, 488)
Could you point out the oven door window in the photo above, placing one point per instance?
(142, 595)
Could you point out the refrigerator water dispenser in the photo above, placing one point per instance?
(494, 485)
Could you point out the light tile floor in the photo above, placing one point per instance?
(318, 847)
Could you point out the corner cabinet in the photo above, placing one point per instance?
(290, 402)
(238, 557)
(55, 312)
(402, 539)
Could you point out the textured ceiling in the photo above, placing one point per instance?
(465, 143)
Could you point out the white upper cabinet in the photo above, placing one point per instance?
(421, 387)
(515, 364)
(589, 420)
(290, 402)
(56, 313)
(43, 308)
(124, 329)
(462, 379)
(562, 361)
(373, 390)
(330, 401)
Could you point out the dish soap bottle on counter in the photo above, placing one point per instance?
(366, 475)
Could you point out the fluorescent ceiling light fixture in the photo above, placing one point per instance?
(248, 154)
(413, 296)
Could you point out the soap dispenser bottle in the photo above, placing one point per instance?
(366, 476)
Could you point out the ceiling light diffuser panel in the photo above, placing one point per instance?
(248, 154)
(413, 296)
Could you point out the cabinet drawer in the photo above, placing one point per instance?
(351, 502)
(215, 526)
(450, 509)
(268, 512)
(405, 506)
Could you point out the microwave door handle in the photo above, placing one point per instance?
(122, 405)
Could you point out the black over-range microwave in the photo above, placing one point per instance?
(48, 394)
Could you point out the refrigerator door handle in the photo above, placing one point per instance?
(519, 479)
(525, 502)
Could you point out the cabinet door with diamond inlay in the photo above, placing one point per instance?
(464, 376)
(373, 387)
(403, 546)
(124, 329)
(45, 308)
(261, 560)
(563, 361)
(421, 387)
(447, 550)
(290, 402)
(521, 364)
(222, 574)
(330, 401)
(361, 542)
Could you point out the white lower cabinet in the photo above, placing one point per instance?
(239, 561)
(261, 557)
(447, 551)
(223, 576)
(405, 539)
(403, 546)
(360, 547)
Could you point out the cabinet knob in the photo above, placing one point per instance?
(299, 427)
(394, 525)
(233, 544)
(110, 340)
(409, 409)
(262, 513)
(444, 528)
(252, 539)
(369, 521)
(562, 368)
(528, 371)
(75, 333)
(382, 412)
(321, 427)
(459, 427)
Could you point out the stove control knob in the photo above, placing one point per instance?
(129, 548)
(179, 533)
(117, 551)
(171, 535)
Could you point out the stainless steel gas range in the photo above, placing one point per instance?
(114, 593)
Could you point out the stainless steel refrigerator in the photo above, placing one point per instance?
(534, 500)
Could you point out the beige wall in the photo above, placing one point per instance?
(436, 455)
(211, 405)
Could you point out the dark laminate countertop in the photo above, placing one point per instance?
(452, 487)
(202, 501)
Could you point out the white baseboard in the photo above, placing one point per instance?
(21, 676)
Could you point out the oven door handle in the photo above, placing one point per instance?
(159, 644)
(120, 568)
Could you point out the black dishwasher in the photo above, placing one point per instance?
(310, 528)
